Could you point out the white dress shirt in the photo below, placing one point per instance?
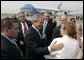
(23, 27)
(70, 50)
(44, 27)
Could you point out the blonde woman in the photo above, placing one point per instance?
(71, 45)
(79, 37)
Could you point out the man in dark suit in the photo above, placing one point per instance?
(9, 31)
(35, 48)
(24, 25)
(56, 31)
(47, 30)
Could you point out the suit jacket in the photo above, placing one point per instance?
(20, 34)
(49, 31)
(9, 50)
(56, 32)
(34, 47)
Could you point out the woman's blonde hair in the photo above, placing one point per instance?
(70, 28)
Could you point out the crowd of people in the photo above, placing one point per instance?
(41, 38)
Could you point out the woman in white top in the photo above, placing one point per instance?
(71, 45)
(79, 37)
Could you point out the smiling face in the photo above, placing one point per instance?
(46, 16)
(10, 27)
(21, 16)
(63, 19)
(38, 21)
(13, 32)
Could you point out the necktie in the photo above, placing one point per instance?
(44, 27)
(25, 28)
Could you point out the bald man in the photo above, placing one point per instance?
(56, 31)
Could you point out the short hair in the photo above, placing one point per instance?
(7, 23)
(36, 17)
(21, 12)
(70, 28)
(47, 12)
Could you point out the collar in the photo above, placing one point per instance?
(35, 28)
(66, 36)
(11, 40)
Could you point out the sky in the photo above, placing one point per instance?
(14, 6)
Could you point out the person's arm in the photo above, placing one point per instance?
(80, 54)
(32, 45)
(54, 46)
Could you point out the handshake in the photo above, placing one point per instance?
(54, 47)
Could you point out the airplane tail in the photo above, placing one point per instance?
(59, 6)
